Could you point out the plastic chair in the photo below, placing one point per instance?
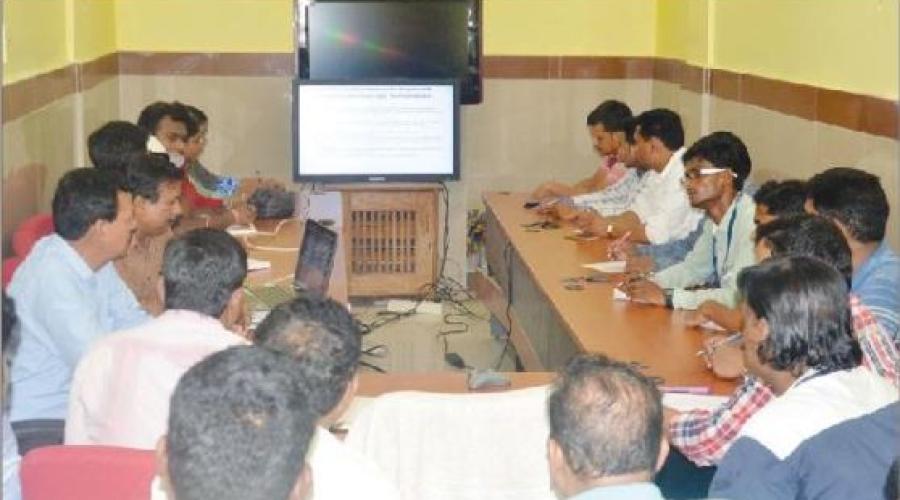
(10, 264)
(30, 231)
(80, 472)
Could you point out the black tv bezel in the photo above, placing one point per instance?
(375, 178)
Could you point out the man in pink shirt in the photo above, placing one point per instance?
(121, 388)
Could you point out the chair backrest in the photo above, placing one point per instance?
(10, 264)
(30, 231)
(79, 472)
(458, 446)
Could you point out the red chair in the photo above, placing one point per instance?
(30, 231)
(10, 264)
(82, 472)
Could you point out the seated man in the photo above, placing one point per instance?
(606, 438)
(797, 341)
(170, 126)
(156, 186)
(776, 199)
(704, 436)
(856, 202)
(606, 126)
(240, 425)
(661, 211)
(324, 341)
(68, 295)
(115, 144)
(716, 167)
(121, 389)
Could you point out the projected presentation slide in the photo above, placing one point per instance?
(375, 130)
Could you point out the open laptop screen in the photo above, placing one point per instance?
(316, 259)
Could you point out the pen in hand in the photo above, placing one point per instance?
(731, 339)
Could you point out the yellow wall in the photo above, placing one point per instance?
(95, 29)
(843, 44)
(205, 25)
(36, 37)
(570, 27)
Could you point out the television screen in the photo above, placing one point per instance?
(397, 131)
(353, 39)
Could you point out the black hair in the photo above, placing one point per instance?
(323, 338)
(116, 143)
(154, 113)
(201, 269)
(197, 116)
(611, 114)
(782, 198)
(723, 150)
(239, 427)
(606, 417)
(10, 322)
(853, 198)
(628, 127)
(664, 124)
(147, 172)
(810, 236)
(804, 302)
(84, 196)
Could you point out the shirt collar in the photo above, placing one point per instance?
(675, 165)
(866, 268)
(620, 491)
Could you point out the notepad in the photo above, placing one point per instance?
(257, 265)
(687, 402)
(619, 295)
(610, 266)
(238, 230)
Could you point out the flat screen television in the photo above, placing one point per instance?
(376, 131)
(364, 39)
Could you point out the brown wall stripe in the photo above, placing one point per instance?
(857, 112)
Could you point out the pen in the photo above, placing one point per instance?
(685, 389)
(731, 339)
(614, 246)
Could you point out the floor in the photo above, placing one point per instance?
(415, 344)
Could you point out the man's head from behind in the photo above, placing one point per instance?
(203, 271)
(853, 199)
(91, 206)
(779, 199)
(115, 144)
(714, 165)
(606, 426)
(239, 429)
(168, 122)
(324, 341)
(807, 236)
(658, 133)
(606, 124)
(156, 185)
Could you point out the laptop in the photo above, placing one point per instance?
(315, 262)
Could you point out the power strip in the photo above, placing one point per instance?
(425, 307)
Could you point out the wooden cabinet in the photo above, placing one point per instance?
(391, 238)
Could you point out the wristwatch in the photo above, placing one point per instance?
(669, 293)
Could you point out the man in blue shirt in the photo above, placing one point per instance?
(606, 440)
(67, 294)
(855, 201)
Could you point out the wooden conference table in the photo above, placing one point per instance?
(550, 323)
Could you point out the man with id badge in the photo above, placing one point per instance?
(716, 167)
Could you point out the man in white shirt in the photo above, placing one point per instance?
(716, 167)
(661, 211)
(324, 341)
(121, 388)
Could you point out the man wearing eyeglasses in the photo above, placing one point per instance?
(716, 167)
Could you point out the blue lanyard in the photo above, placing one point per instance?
(729, 235)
